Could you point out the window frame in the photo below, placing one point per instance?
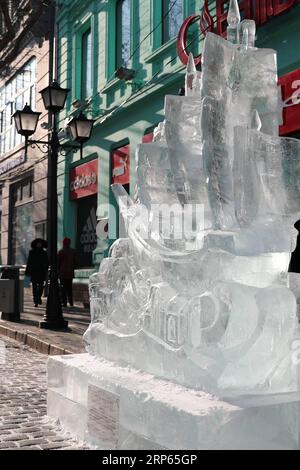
(78, 72)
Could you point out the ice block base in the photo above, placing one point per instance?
(120, 407)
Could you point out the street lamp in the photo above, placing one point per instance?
(81, 129)
(26, 121)
(54, 98)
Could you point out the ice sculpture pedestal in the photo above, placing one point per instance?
(134, 410)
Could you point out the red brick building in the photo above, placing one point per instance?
(26, 65)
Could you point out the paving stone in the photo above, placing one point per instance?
(6, 445)
(28, 448)
(9, 426)
(54, 446)
(29, 430)
(14, 437)
(29, 442)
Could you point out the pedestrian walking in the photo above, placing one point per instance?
(66, 271)
(37, 268)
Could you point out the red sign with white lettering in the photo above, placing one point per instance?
(83, 180)
(121, 165)
(290, 86)
(260, 11)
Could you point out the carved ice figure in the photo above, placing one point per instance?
(209, 308)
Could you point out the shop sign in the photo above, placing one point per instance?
(290, 86)
(83, 180)
(260, 11)
(121, 165)
(11, 164)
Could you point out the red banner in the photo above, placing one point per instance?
(290, 86)
(121, 165)
(83, 180)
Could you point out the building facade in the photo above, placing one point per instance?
(120, 58)
(26, 40)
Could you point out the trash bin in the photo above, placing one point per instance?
(11, 293)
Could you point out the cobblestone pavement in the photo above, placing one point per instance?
(23, 421)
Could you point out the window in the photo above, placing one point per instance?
(22, 230)
(87, 74)
(13, 96)
(123, 43)
(172, 13)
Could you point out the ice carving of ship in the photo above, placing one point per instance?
(208, 306)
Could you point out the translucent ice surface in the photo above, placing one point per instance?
(198, 292)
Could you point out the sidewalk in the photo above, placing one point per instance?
(27, 331)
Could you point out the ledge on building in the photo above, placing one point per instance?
(158, 52)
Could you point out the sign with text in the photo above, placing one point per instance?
(290, 86)
(83, 180)
(9, 165)
(259, 10)
(103, 417)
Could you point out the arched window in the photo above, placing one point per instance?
(123, 42)
(173, 16)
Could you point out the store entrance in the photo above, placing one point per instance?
(86, 231)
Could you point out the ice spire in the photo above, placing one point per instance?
(191, 76)
(233, 20)
(255, 121)
(248, 30)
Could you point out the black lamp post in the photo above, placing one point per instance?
(54, 98)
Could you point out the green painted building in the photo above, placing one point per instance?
(138, 38)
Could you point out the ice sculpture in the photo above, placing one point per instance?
(208, 306)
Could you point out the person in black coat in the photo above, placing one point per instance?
(37, 268)
(294, 266)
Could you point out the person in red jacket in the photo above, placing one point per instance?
(66, 266)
